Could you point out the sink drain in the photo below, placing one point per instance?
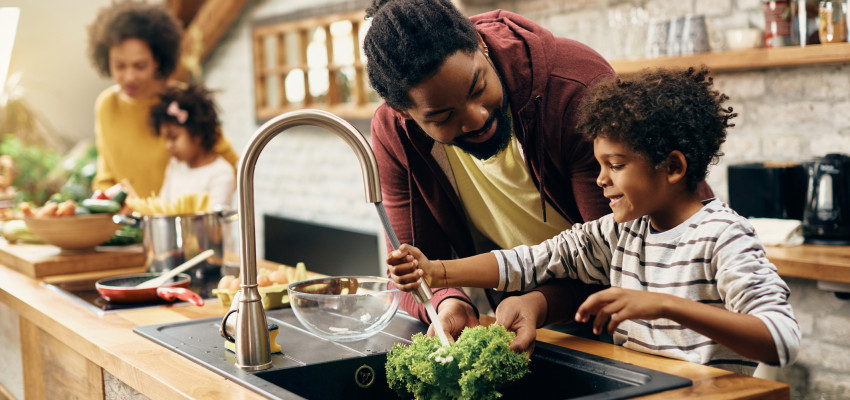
(364, 376)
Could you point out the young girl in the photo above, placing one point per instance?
(689, 278)
(188, 121)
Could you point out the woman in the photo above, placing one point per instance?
(138, 46)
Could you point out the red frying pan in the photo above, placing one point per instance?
(122, 289)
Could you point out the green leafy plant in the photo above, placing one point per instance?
(474, 367)
(42, 173)
(33, 167)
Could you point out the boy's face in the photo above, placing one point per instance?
(180, 144)
(629, 180)
(464, 105)
(133, 67)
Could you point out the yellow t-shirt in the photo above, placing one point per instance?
(500, 198)
(127, 146)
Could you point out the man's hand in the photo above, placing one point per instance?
(454, 315)
(620, 305)
(522, 315)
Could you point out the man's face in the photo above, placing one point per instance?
(463, 105)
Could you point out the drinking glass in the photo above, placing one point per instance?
(694, 35)
(656, 38)
(674, 36)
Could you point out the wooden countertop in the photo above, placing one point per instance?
(108, 342)
(829, 263)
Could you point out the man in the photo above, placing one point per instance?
(476, 141)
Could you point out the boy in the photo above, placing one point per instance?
(689, 279)
(186, 117)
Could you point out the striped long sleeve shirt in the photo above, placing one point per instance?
(713, 258)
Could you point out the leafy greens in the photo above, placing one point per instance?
(474, 367)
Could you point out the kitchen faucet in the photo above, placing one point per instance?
(249, 331)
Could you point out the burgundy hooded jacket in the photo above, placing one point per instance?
(545, 78)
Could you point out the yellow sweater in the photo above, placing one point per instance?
(128, 148)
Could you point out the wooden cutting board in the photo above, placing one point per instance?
(41, 260)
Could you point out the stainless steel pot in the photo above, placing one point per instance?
(171, 240)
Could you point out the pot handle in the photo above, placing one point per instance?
(227, 216)
(174, 293)
(124, 219)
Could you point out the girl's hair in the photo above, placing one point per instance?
(192, 107)
(409, 40)
(658, 111)
(151, 23)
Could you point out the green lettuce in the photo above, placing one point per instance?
(474, 367)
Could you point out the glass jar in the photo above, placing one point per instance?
(777, 23)
(832, 21)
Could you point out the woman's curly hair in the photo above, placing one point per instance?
(409, 40)
(202, 117)
(151, 23)
(658, 111)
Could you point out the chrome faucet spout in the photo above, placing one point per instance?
(249, 332)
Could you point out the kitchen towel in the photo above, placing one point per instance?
(778, 232)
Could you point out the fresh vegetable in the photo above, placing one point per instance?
(68, 208)
(48, 210)
(124, 236)
(26, 209)
(99, 195)
(101, 206)
(474, 367)
(16, 230)
(81, 211)
(119, 197)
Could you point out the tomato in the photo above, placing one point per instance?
(99, 195)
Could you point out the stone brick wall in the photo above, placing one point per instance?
(786, 114)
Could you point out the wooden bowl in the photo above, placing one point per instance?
(77, 233)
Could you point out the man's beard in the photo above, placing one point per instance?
(500, 140)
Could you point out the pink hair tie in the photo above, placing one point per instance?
(175, 111)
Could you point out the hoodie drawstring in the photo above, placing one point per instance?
(539, 146)
(541, 142)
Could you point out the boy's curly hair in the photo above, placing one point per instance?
(151, 23)
(202, 121)
(409, 40)
(658, 111)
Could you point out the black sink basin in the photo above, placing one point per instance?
(556, 373)
(315, 368)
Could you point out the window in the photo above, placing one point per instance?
(312, 63)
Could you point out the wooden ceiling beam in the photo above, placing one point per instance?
(201, 36)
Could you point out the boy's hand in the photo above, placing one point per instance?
(620, 305)
(406, 265)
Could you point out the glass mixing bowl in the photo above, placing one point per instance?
(344, 308)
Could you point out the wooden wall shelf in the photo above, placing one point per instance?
(744, 60)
